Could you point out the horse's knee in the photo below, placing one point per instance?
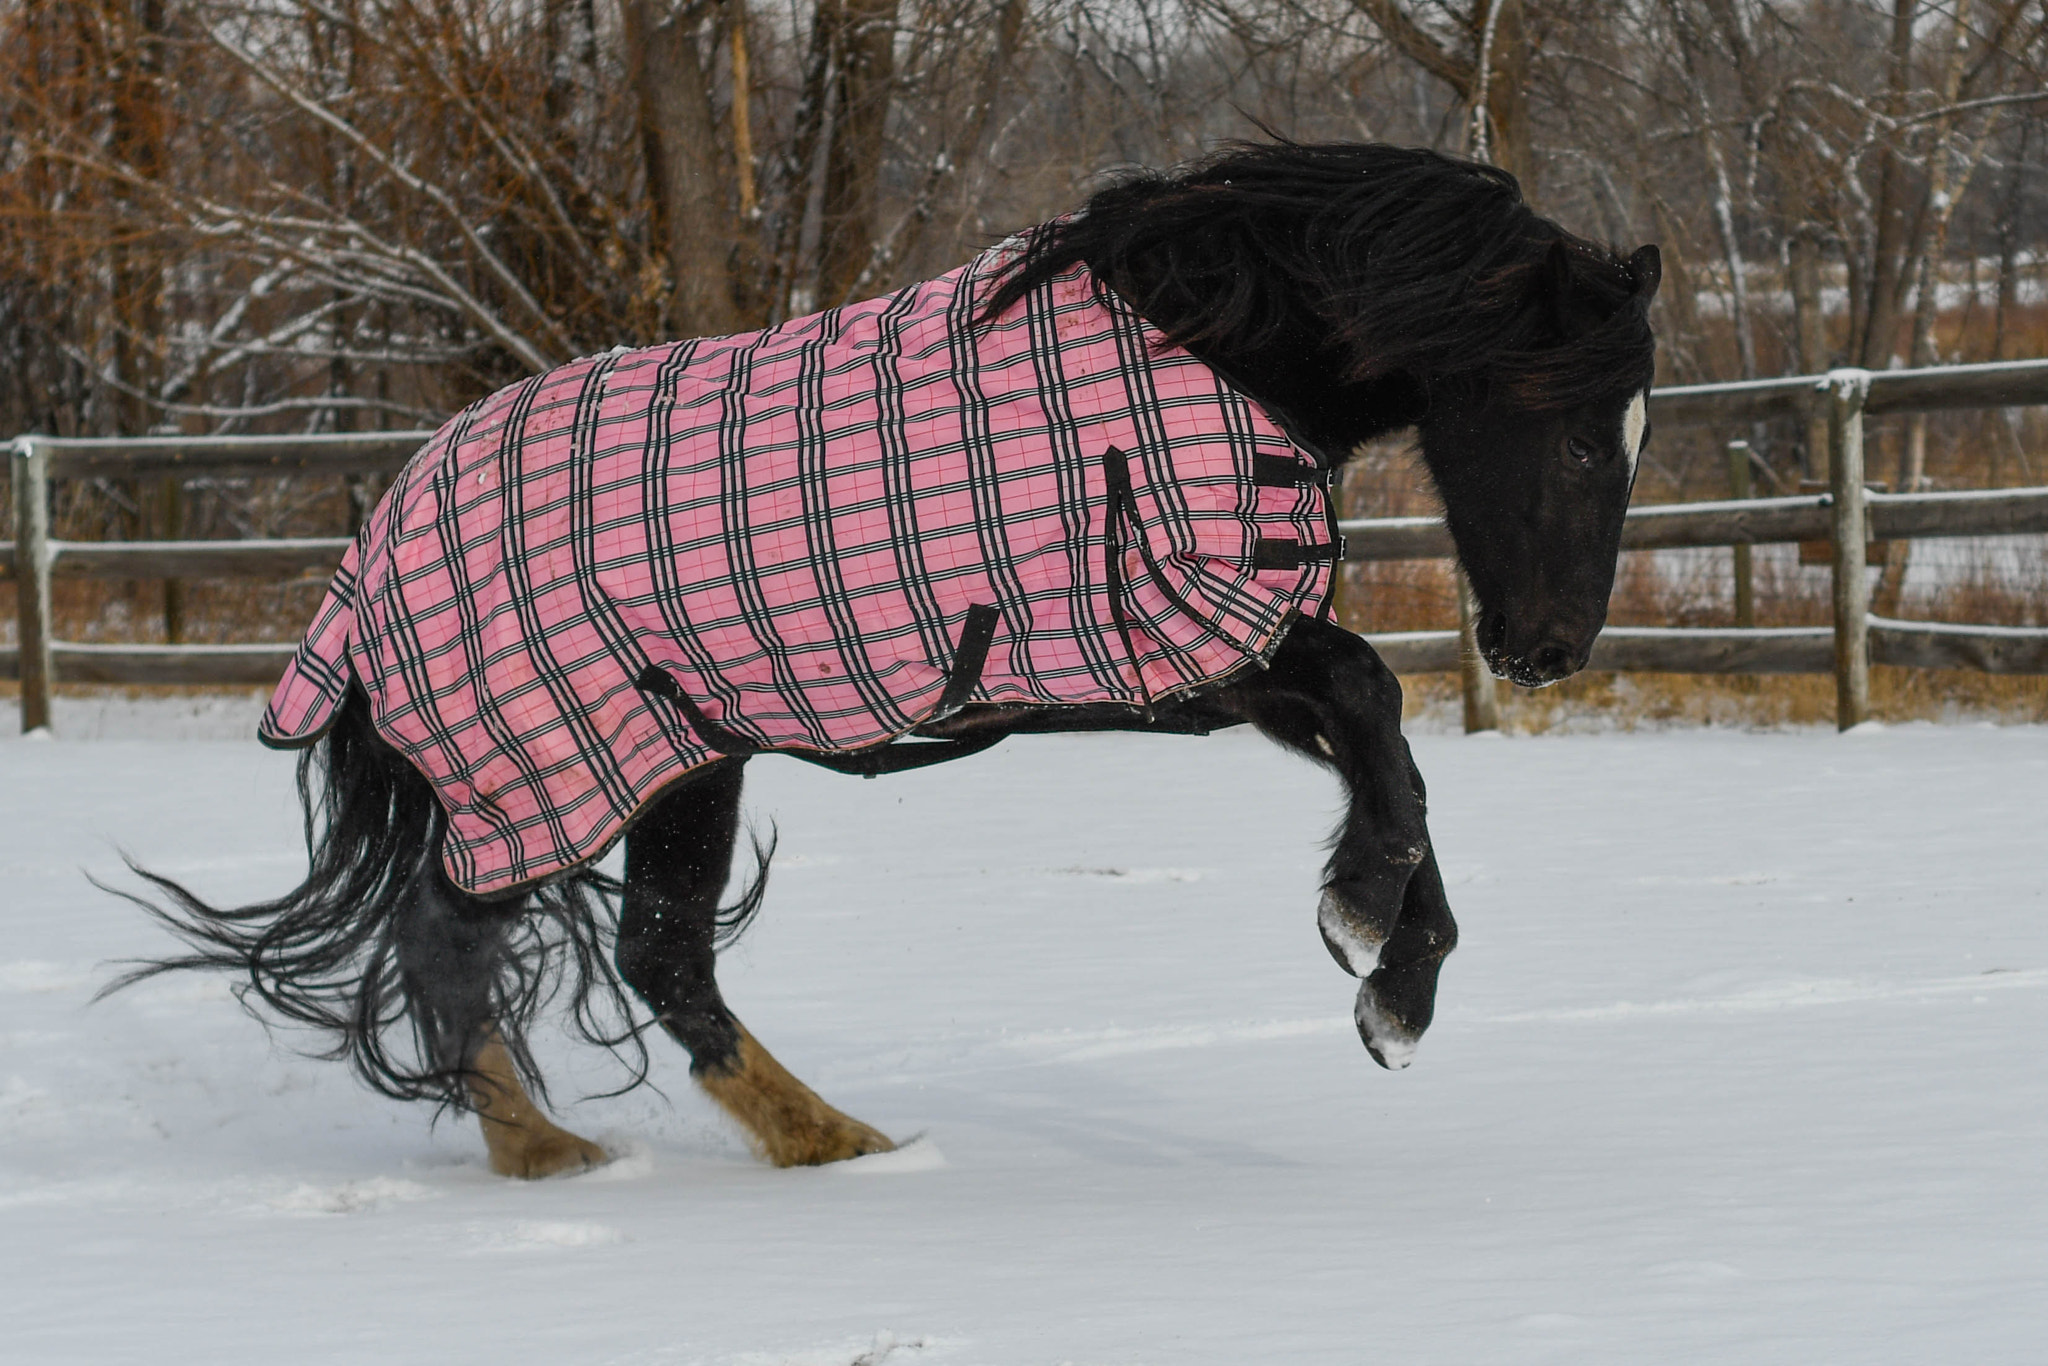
(1341, 661)
(1328, 695)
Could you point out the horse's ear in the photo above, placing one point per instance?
(1646, 268)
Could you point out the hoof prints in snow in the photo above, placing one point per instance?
(33, 974)
(884, 1347)
(1133, 875)
(350, 1197)
(539, 1235)
(917, 1154)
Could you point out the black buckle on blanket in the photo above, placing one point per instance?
(1277, 554)
(1278, 472)
(977, 633)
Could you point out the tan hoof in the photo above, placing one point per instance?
(523, 1142)
(786, 1120)
(532, 1154)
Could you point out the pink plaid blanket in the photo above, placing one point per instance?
(810, 538)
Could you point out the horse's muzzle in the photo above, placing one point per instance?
(1550, 659)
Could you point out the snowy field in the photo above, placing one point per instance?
(1741, 1061)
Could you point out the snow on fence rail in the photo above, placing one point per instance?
(1847, 516)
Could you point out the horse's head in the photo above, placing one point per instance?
(1357, 289)
(1536, 457)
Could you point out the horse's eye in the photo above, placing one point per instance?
(1580, 450)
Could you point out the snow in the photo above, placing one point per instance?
(1739, 1061)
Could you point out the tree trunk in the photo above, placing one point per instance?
(136, 135)
(1507, 94)
(956, 151)
(1803, 266)
(2009, 251)
(1679, 295)
(687, 181)
(1890, 244)
(863, 37)
(736, 20)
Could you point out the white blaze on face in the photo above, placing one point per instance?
(1632, 424)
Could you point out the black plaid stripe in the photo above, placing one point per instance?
(402, 646)
(330, 674)
(757, 613)
(984, 479)
(899, 492)
(815, 466)
(511, 537)
(667, 597)
(1082, 516)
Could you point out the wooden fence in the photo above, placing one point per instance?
(1847, 516)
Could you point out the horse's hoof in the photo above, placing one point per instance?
(788, 1122)
(560, 1153)
(818, 1135)
(1391, 1043)
(835, 1139)
(1353, 942)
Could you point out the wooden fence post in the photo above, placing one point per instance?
(32, 580)
(1482, 698)
(1846, 391)
(1740, 486)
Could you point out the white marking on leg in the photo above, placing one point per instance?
(1632, 424)
(1359, 952)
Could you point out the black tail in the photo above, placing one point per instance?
(331, 953)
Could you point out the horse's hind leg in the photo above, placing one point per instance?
(678, 856)
(451, 948)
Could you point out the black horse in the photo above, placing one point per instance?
(1350, 290)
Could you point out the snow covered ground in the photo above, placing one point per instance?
(1741, 1061)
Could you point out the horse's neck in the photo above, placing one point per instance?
(1292, 374)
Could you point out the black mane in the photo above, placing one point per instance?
(1379, 262)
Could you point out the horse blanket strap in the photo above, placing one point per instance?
(1275, 554)
(899, 757)
(1279, 472)
(811, 540)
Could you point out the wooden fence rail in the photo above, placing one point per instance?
(1847, 516)
(1758, 521)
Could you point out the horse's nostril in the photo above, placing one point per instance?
(1552, 660)
(1491, 631)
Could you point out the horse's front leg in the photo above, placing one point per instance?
(1383, 914)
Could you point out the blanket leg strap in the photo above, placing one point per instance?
(970, 656)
